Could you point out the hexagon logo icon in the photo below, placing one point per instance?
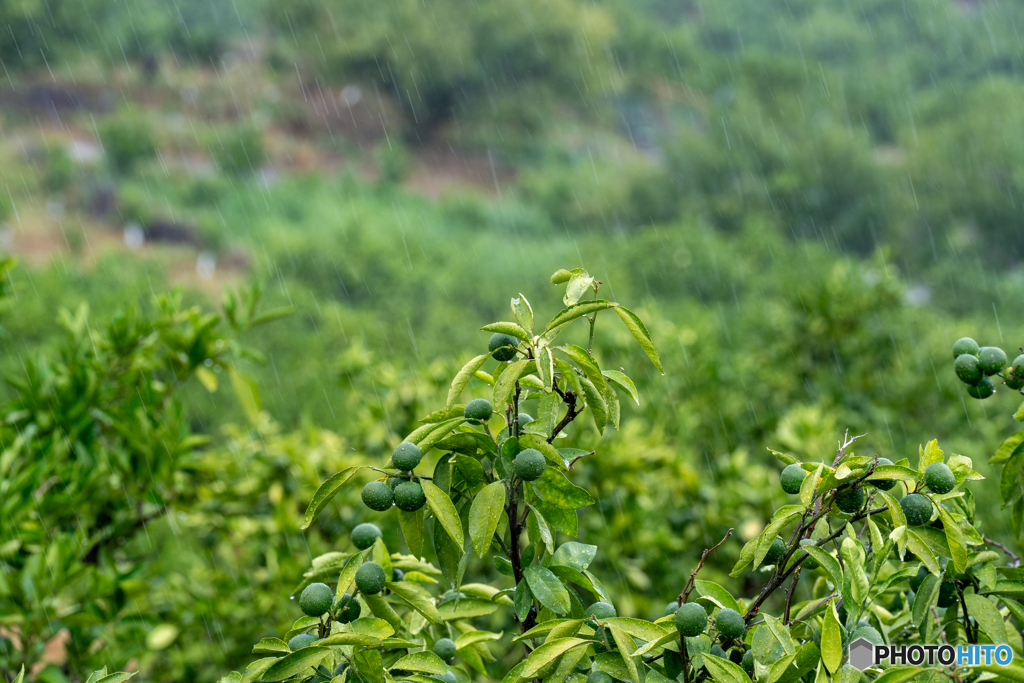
(862, 654)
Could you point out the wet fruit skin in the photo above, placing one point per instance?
(792, 478)
(747, 663)
(300, 641)
(365, 535)
(478, 409)
(730, 623)
(810, 562)
(600, 610)
(775, 552)
(947, 594)
(347, 609)
(916, 508)
(370, 578)
(1017, 367)
(316, 599)
(409, 496)
(965, 345)
(992, 359)
(502, 346)
(939, 478)
(916, 581)
(524, 419)
(529, 464)
(883, 484)
(968, 368)
(377, 495)
(445, 648)
(983, 389)
(1014, 383)
(406, 456)
(691, 619)
(851, 500)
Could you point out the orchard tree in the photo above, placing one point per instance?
(867, 549)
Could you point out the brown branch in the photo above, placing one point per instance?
(1014, 560)
(570, 400)
(688, 588)
(789, 598)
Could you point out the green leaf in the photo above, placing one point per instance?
(511, 329)
(424, 661)
(809, 487)
(921, 544)
(900, 674)
(626, 648)
(623, 382)
(348, 572)
(638, 628)
(955, 539)
(326, 493)
(782, 517)
(1019, 415)
(466, 608)
(484, 513)
(297, 662)
(545, 366)
(449, 555)
(987, 615)
(538, 528)
(716, 594)
(643, 337)
(927, 597)
(411, 524)
(382, 608)
(724, 671)
(570, 313)
(892, 473)
(505, 386)
(269, 646)
(856, 578)
(348, 638)
(417, 598)
(547, 588)
(929, 455)
(116, 678)
(554, 488)
(545, 627)
(93, 677)
(523, 311)
(549, 652)
(539, 443)
(444, 511)
(463, 377)
(370, 665)
(523, 600)
(578, 285)
(596, 403)
(1009, 672)
(831, 639)
(575, 555)
(247, 392)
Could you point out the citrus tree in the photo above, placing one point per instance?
(866, 549)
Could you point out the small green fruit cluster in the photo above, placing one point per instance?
(407, 494)
(975, 365)
(502, 346)
(370, 578)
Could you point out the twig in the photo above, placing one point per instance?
(570, 400)
(688, 588)
(811, 610)
(789, 597)
(1014, 560)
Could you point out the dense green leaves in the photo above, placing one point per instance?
(444, 511)
(326, 493)
(486, 510)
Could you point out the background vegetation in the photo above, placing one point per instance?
(810, 199)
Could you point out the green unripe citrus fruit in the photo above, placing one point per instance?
(717, 651)
(346, 609)
(316, 599)
(1014, 383)
(397, 575)
(939, 478)
(792, 478)
(967, 368)
(502, 346)
(691, 619)
(947, 594)
(406, 456)
(1017, 367)
(810, 562)
(671, 607)
(393, 482)
(868, 633)
(340, 669)
(747, 663)
(983, 389)
(918, 579)
(445, 648)
(673, 663)
(851, 500)
(916, 508)
(599, 610)
(370, 578)
(529, 464)
(884, 484)
(524, 419)
(478, 409)
(409, 496)
(730, 623)
(300, 641)
(365, 535)
(992, 359)
(599, 677)
(377, 495)
(965, 345)
(775, 552)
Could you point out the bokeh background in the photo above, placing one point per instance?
(807, 201)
